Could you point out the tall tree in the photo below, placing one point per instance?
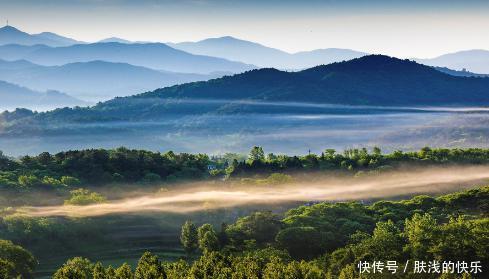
(256, 154)
(208, 239)
(189, 237)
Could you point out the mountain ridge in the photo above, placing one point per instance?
(93, 80)
(156, 56)
(257, 54)
(373, 80)
(12, 35)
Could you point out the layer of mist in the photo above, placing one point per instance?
(201, 197)
(293, 133)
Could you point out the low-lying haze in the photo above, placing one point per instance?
(200, 196)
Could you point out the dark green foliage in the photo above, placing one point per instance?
(261, 227)
(98, 167)
(331, 223)
(302, 242)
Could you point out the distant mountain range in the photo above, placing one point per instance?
(373, 80)
(118, 67)
(153, 55)
(227, 47)
(231, 48)
(95, 80)
(260, 55)
(476, 61)
(12, 35)
(13, 96)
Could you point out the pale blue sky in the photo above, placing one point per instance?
(413, 28)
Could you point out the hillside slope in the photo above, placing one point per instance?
(371, 80)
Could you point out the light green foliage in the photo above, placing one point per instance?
(349, 272)
(7, 269)
(385, 243)
(303, 270)
(49, 181)
(462, 238)
(78, 267)
(256, 154)
(274, 269)
(70, 181)
(125, 272)
(211, 265)
(110, 273)
(16, 260)
(148, 267)
(28, 181)
(99, 271)
(421, 231)
(208, 240)
(177, 270)
(189, 237)
(84, 197)
(246, 267)
(276, 179)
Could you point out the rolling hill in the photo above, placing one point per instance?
(263, 56)
(14, 96)
(373, 80)
(92, 81)
(370, 80)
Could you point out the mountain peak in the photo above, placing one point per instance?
(115, 40)
(10, 29)
(229, 38)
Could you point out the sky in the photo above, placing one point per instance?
(415, 28)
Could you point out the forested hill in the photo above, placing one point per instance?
(371, 80)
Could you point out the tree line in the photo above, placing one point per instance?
(122, 165)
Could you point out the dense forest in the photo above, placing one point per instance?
(315, 240)
(325, 240)
(98, 167)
